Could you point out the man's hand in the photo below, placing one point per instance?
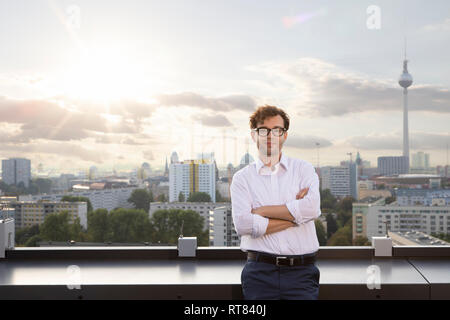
(258, 210)
(276, 225)
(266, 210)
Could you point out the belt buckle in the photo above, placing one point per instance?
(278, 259)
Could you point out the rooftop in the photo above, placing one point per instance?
(415, 237)
(371, 199)
(413, 272)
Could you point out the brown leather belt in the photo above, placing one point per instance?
(282, 260)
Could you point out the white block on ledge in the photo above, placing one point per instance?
(187, 246)
(383, 246)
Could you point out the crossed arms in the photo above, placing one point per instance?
(279, 216)
(270, 219)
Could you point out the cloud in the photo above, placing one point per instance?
(148, 155)
(213, 120)
(47, 113)
(306, 142)
(394, 141)
(321, 89)
(31, 131)
(138, 139)
(131, 141)
(61, 149)
(440, 26)
(42, 119)
(225, 103)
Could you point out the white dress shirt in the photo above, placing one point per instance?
(258, 185)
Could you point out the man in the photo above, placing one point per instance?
(275, 201)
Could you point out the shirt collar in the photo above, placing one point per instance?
(283, 161)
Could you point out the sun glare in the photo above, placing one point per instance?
(104, 75)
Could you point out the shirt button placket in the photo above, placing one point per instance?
(275, 186)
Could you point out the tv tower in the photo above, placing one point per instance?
(405, 81)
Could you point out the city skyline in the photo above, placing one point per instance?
(115, 85)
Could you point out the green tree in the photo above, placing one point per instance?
(327, 200)
(130, 225)
(76, 231)
(320, 231)
(161, 198)
(346, 204)
(33, 241)
(99, 228)
(199, 197)
(181, 197)
(344, 208)
(361, 241)
(193, 225)
(343, 217)
(24, 234)
(150, 192)
(56, 227)
(78, 199)
(331, 225)
(160, 223)
(342, 237)
(219, 197)
(140, 198)
(167, 225)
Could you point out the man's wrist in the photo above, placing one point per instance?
(280, 212)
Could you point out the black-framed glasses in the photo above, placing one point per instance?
(264, 132)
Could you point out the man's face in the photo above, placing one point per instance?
(270, 145)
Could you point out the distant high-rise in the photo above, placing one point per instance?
(421, 160)
(353, 176)
(174, 157)
(192, 176)
(246, 160)
(405, 81)
(388, 166)
(16, 170)
(166, 169)
(338, 180)
(222, 232)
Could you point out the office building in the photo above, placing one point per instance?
(388, 166)
(192, 176)
(372, 217)
(426, 197)
(108, 199)
(222, 232)
(29, 213)
(420, 160)
(337, 179)
(16, 170)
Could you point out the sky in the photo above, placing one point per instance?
(118, 83)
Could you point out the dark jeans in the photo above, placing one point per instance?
(264, 281)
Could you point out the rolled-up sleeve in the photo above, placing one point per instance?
(245, 222)
(308, 208)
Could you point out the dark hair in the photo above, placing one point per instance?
(264, 112)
